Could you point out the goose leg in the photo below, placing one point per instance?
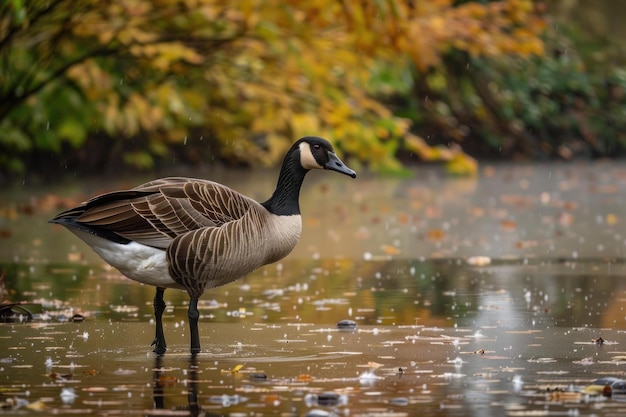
(194, 314)
(159, 307)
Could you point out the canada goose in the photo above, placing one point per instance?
(194, 234)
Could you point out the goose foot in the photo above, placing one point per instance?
(193, 315)
(159, 307)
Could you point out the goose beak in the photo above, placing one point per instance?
(335, 164)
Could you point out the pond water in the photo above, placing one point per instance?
(500, 295)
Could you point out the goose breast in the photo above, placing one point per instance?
(214, 256)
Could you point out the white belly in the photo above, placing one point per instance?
(136, 261)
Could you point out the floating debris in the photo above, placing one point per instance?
(77, 318)
(18, 312)
(233, 370)
(68, 395)
(368, 377)
(124, 372)
(227, 400)
(400, 401)
(346, 325)
(326, 399)
(479, 260)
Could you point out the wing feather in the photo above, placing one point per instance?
(157, 212)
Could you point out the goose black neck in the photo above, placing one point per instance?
(285, 200)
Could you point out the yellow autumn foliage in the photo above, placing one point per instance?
(253, 75)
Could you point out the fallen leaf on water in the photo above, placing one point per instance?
(479, 260)
(525, 244)
(271, 399)
(435, 234)
(390, 250)
(403, 218)
(59, 377)
(611, 219)
(374, 365)
(508, 225)
(167, 379)
(37, 406)
(564, 396)
(95, 389)
(234, 369)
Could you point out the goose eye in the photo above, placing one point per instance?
(316, 146)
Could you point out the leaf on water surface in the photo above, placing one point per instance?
(235, 369)
(526, 244)
(374, 365)
(271, 399)
(94, 389)
(60, 377)
(479, 260)
(435, 234)
(390, 250)
(90, 372)
(167, 380)
(564, 396)
(37, 406)
(508, 225)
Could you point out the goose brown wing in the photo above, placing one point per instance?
(206, 203)
(156, 212)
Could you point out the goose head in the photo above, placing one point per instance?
(307, 153)
(318, 153)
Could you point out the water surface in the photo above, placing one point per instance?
(438, 331)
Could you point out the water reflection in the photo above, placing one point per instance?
(395, 292)
(162, 381)
(441, 335)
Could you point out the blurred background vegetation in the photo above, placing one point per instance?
(89, 86)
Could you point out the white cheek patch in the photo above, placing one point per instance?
(307, 160)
